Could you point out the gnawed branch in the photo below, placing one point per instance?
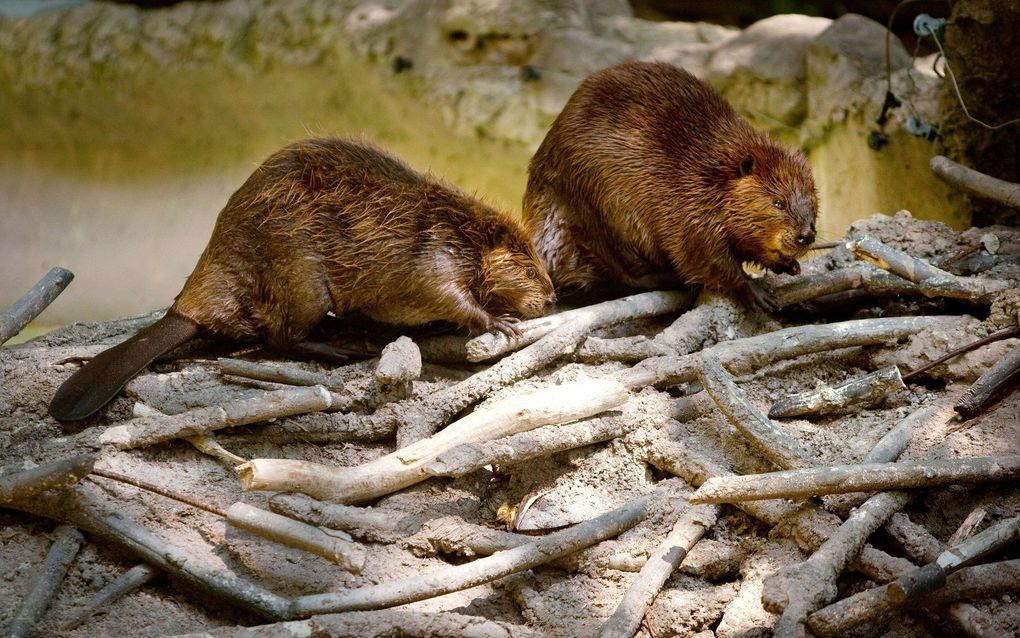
(862, 390)
(842, 479)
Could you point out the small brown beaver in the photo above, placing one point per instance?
(649, 178)
(329, 225)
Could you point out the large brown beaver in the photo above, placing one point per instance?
(329, 225)
(649, 178)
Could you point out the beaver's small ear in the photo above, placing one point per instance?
(746, 166)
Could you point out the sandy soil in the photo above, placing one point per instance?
(715, 592)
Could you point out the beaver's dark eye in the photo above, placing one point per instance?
(778, 204)
(532, 273)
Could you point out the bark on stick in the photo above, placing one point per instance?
(769, 440)
(273, 373)
(483, 570)
(745, 356)
(271, 405)
(687, 531)
(842, 479)
(999, 379)
(84, 507)
(807, 524)
(931, 280)
(67, 541)
(874, 605)
(23, 485)
(332, 545)
(42, 294)
(639, 306)
(116, 589)
(974, 182)
(546, 406)
(862, 390)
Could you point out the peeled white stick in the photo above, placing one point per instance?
(933, 575)
(332, 545)
(687, 531)
(271, 405)
(639, 306)
(842, 479)
(397, 470)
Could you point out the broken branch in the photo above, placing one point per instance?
(332, 545)
(42, 294)
(271, 405)
(607, 313)
(23, 485)
(991, 386)
(974, 182)
(862, 390)
(873, 605)
(769, 440)
(397, 470)
(687, 531)
(65, 547)
(483, 570)
(116, 589)
(842, 479)
(932, 281)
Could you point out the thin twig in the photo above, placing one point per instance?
(1007, 333)
(994, 384)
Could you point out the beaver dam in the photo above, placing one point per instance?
(616, 471)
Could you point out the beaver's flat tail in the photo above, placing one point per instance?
(99, 380)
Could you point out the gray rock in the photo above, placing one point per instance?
(761, 71)
(842, 59)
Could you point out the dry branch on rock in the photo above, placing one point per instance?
(23, 485)
(66, 543)
(204, 443)
(931, 281)
(862, 390)
(361, 522)
(999, 379)
(455, 578)
(860, 277)
(545, 406)
(874, 605)
(116, 589)
(769, 440)
(843, 479)
(42, 294)
(687, 531)
(332, 545)
(975, 183)
(271, 405)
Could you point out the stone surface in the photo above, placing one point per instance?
(762, 70)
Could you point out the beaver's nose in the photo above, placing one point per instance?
(806, 237)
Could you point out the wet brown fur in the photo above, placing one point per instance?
(333, 225)
(330, 225)
(645, 180)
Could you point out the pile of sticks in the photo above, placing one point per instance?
(317, 508)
